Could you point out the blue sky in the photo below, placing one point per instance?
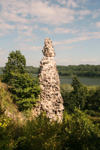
(72, 25)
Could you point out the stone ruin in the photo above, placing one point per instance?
(50, 97)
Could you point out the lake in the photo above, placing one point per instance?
(83, 80)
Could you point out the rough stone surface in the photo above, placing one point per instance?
(51, 99)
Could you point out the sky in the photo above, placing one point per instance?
(72, 25)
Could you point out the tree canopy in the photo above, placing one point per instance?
(16, 63)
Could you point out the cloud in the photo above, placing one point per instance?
(65, 47)
(98, 24)
(69, 3)
(84, 37)
(26, 35)
(83, 12)
(72, 3)
(5, 26)
(32, 48)
(65, 30)
(9, 16)
(46, 30)
(59, 30)
(63, 61)
(50, 14)
(96, 13)
(90, 60)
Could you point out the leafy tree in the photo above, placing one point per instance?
(79, 93)
(76, 84)
(16, 63)
(25, 90)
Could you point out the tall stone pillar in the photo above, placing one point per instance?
(51, 99)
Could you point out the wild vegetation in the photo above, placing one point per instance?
(79, 130)
(23, 87)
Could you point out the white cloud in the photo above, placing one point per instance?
(84, 12)
(98, 24)
(90, 60)
(96, 13)
(9, 16)
(32, 48)
(72, 3)
(5, 26)
(65, 30)
(50, 14)
(46, 30)
(69, 3)
(84, 37)
(59, 30)
(65, 47)
(63, 61)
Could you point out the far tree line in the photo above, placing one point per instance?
(78, 70)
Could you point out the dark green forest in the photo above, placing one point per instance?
(79, 70)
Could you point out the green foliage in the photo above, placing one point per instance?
(76, 84)
(25, 90)
(16, 63)
(79, 132)
(76, 97)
